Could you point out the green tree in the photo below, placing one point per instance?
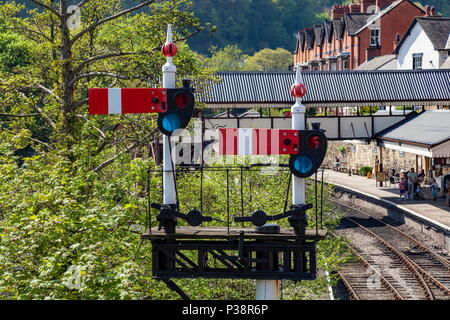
(269, 60)
(15, 51)
(68, 212)
(71, 213)
(230, 58)
(255, 25)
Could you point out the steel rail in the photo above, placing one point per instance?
(438, 257)
(411, 265)
(362, 260)
(349, 287)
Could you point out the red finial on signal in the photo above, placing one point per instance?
(169, 49)
(298, 90)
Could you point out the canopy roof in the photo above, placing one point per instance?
(329, 89)
(427, 134)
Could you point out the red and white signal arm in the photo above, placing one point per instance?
(125, 101)
(258, 141)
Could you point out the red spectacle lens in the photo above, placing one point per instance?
(181, 100)
(314, 142)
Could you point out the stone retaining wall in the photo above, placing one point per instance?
(358, 155)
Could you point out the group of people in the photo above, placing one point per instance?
(410, 186)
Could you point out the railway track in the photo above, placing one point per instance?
(391, 264)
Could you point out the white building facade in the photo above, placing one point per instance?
(425, 45)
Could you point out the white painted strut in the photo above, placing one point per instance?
(298, 123)
(169, 71)
(267, 290)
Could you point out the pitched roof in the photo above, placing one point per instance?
(355, 21)
(386, 10)
(430, 128)
(319, 34)
(437, 29)
(386, 62)
(328, 26)
(328, 88)
(338, 26)
(309, 37)
(300, 41)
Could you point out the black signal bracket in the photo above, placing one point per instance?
(168, 217)
(296, 216)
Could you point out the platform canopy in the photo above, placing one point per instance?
(427, 134)
(254, 89)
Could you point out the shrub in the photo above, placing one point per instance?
(342, 149)
(364, 170)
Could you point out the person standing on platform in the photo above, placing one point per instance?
(421, 176)
(434, 189)
(337, 163)
(403, 187)
(412, 176)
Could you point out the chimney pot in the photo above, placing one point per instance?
(433, 11)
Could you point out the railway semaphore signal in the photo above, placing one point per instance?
(307, 148)
(266, 253)
(175, 106)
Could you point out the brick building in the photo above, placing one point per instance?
(355, 34)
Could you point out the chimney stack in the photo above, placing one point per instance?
(338, 11)
(355, 8)
(366, 4)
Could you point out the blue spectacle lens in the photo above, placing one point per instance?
(303, 164)
(171, 122)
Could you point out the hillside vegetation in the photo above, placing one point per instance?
(253, 25)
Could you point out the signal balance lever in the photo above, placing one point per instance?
(297, 218)
(168, 216)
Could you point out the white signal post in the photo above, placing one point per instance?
(169, 71)
(298, 112)
(270, 289)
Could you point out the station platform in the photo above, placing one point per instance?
(435, 212)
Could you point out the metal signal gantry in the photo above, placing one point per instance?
(266, 253)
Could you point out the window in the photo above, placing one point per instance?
(345, 64)
(417, 61)
(375, 37)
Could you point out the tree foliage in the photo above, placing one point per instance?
(269, 60)
(68, 204)
(73, 196)
(255, 25)
(231, 58)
